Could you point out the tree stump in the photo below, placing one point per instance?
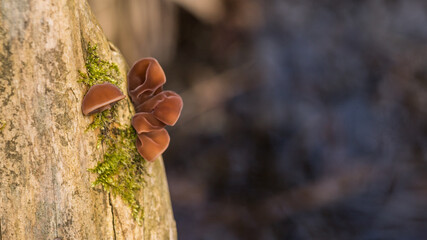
(45, 188)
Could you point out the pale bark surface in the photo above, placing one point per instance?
(45, 188)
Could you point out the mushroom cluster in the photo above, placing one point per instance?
(154, 107)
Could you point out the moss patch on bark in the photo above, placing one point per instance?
(122, 170)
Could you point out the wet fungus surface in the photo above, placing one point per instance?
(165, 106)
(151, 144)
(146, 122)
(101, 97)
(145, 79)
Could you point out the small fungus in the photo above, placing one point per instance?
(101, 97)
(145, 79)
(165, 106)
(146, 122)
(151, 144)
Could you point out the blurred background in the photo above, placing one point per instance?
(302, 119)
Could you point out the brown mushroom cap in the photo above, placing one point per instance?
(101, 97)
(151, 144)
(165, 106)
(145, 79)
(146, 122)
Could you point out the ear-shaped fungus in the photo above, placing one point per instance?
(145, 79)
(151, 144)
(101, 97)
(165, 106)
(146, 122)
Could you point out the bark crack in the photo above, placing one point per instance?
(55, 203)
(54, 183)
(112, 214)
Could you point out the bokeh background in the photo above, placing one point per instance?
(303, 119)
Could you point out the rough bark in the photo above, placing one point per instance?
(45, 188)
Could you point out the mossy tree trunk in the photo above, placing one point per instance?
(45, 188)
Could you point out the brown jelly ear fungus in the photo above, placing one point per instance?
(145, 79)
(151, 144)
(101, 97)
(146, 122)
(158, 111)
(165, 106)
(154, 107)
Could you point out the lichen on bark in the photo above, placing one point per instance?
(2, 124)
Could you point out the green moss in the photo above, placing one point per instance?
(122, 169)
(98, 70)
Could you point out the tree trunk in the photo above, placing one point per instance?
(45, 188)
